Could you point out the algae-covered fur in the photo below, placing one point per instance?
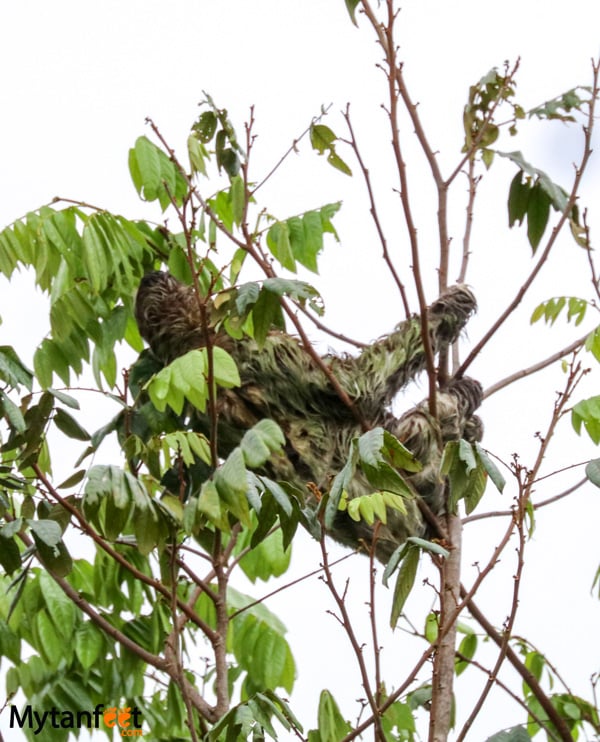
(281, 381)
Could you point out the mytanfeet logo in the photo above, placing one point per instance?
(127, 720)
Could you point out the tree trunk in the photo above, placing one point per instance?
(443, 664)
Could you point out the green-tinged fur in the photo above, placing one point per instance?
(281, 381)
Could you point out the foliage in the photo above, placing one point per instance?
(171, 525)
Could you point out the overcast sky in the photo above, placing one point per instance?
(77, 81)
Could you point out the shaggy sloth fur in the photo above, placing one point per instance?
(280, 381)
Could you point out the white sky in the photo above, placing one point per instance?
(78, 79)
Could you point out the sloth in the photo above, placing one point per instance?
(281, 381)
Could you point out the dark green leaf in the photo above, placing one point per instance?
(10, 556)
(538, 213)
(404, 582)
(206, 126)
(12, 413)
(518, 199)
(69, 426)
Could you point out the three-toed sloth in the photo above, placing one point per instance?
(280, 380)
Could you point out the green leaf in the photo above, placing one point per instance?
(278, 242)
(155, 175)
(321, 137)
(518, 199)
(206, 126)
(538, 213)
(560, 108)
(376, 450)
(10, 556)
(66, 399)
(226, 373)
(592, 343)
(69, 426)
(197, 154)
(50, 644)
(208, 504)
(238, 199)
(47, 531)
(49, 359)
(266, 559)
(351, 6)
(515, 734)
(61, 609)
(12, 413)
(494, 473)
(260, 442)
(336, 161)
(432, 627)
(89, 644)
(185, 378)
(54, 556)
(332, 725)
(587, 412)
(467, 649)
(12, 370)
(404, 582)
(231, 480)
(267, 313)
(430, 546)
(592, 471)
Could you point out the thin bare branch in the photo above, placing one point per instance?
(539, 366)
(375, 215)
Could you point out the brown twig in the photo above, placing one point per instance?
(346, 622)
(375, 215)
(526, 479)
(536, 506)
